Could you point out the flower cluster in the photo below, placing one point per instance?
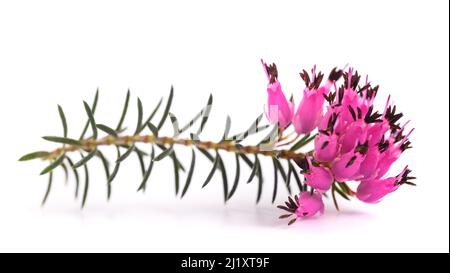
(354, 142)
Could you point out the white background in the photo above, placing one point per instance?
(59, 52)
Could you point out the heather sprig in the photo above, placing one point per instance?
(352, 142)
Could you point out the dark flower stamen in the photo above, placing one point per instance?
(317, 81)
(405, 145)
(392, 118)
(335, 74)
(404, 179)
(372, 118)
(383, 145)
(351, 161)
(272, 72)
(305, 77)
(352, 112)
(362, 148)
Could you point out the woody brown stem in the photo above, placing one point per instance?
(229, 146)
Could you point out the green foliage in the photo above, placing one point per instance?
(34, 155)
(189, 176)
(89, 148)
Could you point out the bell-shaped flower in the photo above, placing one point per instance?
(320, 178)
(279, 109)
(369, 166)
(397, 144)
(325, 147)
(346, 167)
(310, 110)
(373, 190)
(309, 204)
(353, 134)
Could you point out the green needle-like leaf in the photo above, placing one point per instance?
(105, 163)
(174, 121)
(296, 176)
(113, 173)
(172, 155)
(302, 142)
(213, 170)
(34, 155)
(288, 176)
(227, 128)
(176, 169)
(86, 185)
(63, 120)
(167, 109)
(140, 116)
(275, 180)
(94, 106)
(205, 115)
(85, 159)
(206, 154)
(63, 140)
(54, 164)
(299, 143)
(260, 182)
(178, 162)
(344, 187)
(91, 119)
(49, 187)
(236, 177)
(77, 177)
(283, 174)
(272, 136)
(202, 114)
(254, 169)
(163, 154)
(253, 129)
(124, 111)
(311, 138)
(246, 160)
(153, 129)
(141, 161)
(333, 194)
(336, 188)
(189, 176)
(66, 172)
(151, 116)
(148, 171)
(126, 154)
(224, 178)
(107, 130)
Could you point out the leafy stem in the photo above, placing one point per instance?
(130, 140)
(89, 147)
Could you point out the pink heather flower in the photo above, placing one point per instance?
(354, 141)
(309, 204)
(368, 168)
(310, 110)
(320, 178)
(396, 145)
(327, 147)
(371, 191)
(353, 134)
(346, 167)
(306, 204)
(279, 109)
(367, 142)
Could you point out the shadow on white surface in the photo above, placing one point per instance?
(234, 214)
